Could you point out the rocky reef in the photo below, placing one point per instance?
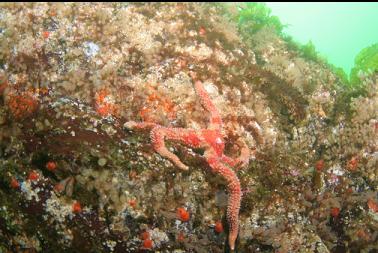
(74, 179)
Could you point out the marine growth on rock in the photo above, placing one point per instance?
(216, 89)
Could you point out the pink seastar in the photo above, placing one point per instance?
(211, 140)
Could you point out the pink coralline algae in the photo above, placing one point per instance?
(212, 141)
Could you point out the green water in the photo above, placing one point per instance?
(338, 30)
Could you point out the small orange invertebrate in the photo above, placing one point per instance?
(182, 63)
(76, 207)
(46, 34)
(353, 163)
(145, 235)
(38, 91)
(14, 183)
(104, 103)
(373, 205)
(157, 104)
(21, 105)
(143, 113)
(132, 203)
(182, 214)
(181, 237)
(152, 97)
(202, 31)
(147, 244)
(33, 175)
(335, 211)
(133, 174)
(218, 227)
(349, 190)
(59, 187)
(362, 234)
(51, 166)
(319, 165)
(65, 185)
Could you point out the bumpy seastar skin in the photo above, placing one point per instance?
(215, 118)
(234, 189)
(212, 141)
(159, 133)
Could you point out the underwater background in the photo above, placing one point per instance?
(339, 31)
(188, 127)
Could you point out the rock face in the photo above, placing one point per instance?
(73, 179)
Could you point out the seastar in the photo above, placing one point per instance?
(211, 140)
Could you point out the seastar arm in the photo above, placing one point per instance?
(215, 118)
(235, 194)
(229, 160)
(187, 136)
